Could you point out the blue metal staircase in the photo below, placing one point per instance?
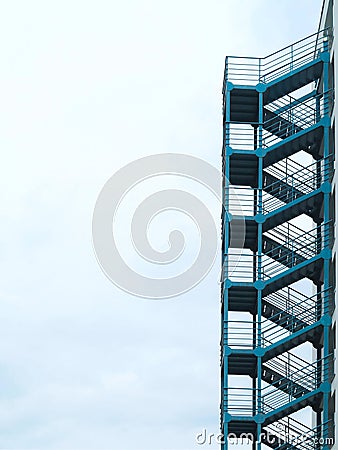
(277, 173)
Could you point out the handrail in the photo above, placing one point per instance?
(277, 394)
(239, 265)
(293, 186)
(281, 325)
(296, 316)
(303, 238)
(287, 167)
(299, 41)
(281, 120)
(303, 310)
(257, 69)
(284, 48)
(287, 233)
(300, 374)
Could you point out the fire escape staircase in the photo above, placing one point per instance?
(266, 187)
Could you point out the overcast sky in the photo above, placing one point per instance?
(87, 87)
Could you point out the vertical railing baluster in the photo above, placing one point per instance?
(291, 61)
(259, 70)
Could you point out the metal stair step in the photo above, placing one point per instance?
(282, 318)
(283, 383)
(311, 206)
(312, 271)
(281, 253)
(313, 335)
(295, 80)
(293, 407)
(279, 188)
(308, 141)
(278, 126)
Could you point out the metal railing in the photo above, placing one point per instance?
(240, 334)
(296, 184)
(295, 311)
(283, 118)
(287, 233)
(250, 71)
(241, 200)
(243, 401)
(240, 400)
(241, 136)
(286, 120)
(285, 390)
(288, 363)
(242, 266)
(295, 250)
(294, 181)
(291, 298)
(288, 167)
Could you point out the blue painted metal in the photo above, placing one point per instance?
(264, 128)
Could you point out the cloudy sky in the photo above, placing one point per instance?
(87, 87)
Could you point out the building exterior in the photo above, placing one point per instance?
(279, 248)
